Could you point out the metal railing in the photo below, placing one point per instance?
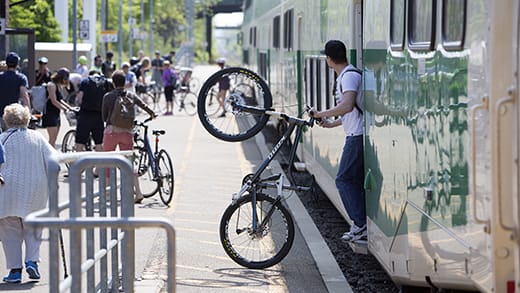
(93, 214)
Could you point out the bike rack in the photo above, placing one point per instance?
(121, 222)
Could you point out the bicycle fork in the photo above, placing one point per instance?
(255, 229)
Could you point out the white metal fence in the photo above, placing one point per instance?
(104, 215)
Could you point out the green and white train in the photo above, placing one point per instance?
(441, 125)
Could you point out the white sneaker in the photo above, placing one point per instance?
(355, 233)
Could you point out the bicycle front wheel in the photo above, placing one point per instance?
(233, 124)
(166, 177)
(147, 182)
(264, 246)
(190, 103)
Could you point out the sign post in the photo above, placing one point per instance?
(84, 33)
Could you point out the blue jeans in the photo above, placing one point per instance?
(349, 180)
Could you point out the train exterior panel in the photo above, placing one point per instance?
(438, 125)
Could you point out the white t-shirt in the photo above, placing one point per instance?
(352, 122)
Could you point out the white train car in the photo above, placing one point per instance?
(441, 125)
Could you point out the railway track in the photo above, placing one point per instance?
(362, 271)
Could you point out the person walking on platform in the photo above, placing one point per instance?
(81, 67)
(90, 122)
(26, 155)
(51, 119)
(157, 71)
(116, 134)
(169, 79)
(43, 74)
(108, 67)
(349, 179)
(13, 85)
(223, 87)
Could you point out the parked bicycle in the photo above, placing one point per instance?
(256, 229)
(154, 167)
(185, 100)
(151, 95)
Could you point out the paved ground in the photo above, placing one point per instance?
(207, 172)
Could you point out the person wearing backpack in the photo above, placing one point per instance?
(118, 113)
(90, 99)
(169, 79)
(349, 179)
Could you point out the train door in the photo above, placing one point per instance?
(503, 104)
(514, 285)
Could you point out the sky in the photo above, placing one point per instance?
(228, 19)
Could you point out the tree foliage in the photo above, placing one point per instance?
(37, 15)
(169, 23)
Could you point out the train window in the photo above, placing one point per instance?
(262, 70)
(319, 84)
(421, 24)
(308, 79)
(245, 57)
(453, 24)
(329, 95)
(315, 68)
(288, 30)
(397, 20)
(276, 32)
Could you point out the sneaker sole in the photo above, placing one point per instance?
(33, 274)
(12, 281)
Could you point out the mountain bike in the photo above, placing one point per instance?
(154, 167)
(185, 100)
(256, 229)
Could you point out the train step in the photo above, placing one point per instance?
(360, 246)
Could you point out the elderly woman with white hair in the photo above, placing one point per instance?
(26, 155)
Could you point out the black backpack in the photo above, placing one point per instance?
(97, 87)
(136, 69)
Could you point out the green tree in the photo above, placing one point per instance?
(37, 15)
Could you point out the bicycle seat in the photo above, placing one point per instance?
(158, 132)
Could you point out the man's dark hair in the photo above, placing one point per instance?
(110, 54)
(118, 78)
(336, 51)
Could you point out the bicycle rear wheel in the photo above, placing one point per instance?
(235, 124)
(68, 143)
(190, 103)
(166, 175)
(266, 246)
(212, 105)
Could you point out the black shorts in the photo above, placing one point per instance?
(90, 123)
(168, 93)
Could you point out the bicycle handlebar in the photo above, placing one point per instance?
(278, 115)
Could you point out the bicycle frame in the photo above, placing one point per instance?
(255, 183)
(151, 155)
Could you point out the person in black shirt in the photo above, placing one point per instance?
(108, 67)
(43, 74)
(13, 85)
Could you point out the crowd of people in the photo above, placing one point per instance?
(92, 94)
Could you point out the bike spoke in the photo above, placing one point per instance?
(262, 246)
